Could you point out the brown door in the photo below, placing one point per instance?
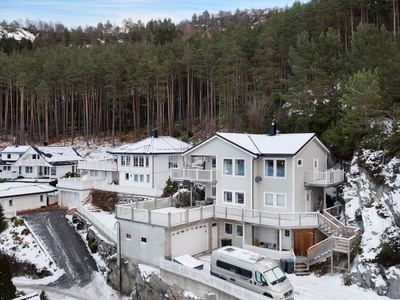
(303, 239)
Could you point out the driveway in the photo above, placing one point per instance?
(64, 245)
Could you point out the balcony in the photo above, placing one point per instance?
(123, 189)
(9, 174)
(193, 174)
(75, 183)
(32, 162)
(106, 165)
(324, 179)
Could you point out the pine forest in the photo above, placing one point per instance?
(327, 66)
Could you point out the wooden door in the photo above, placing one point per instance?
(303, 239)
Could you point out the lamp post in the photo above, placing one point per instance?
(119, 256)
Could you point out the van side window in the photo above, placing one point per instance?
(260, 278)
(234, 269)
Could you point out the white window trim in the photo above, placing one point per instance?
(128, 238)
(239, 236)
(234, 159)
(225, 228)
(275, 200)
(275, 168)
(142, 237)
(234, 198)
(302, 163)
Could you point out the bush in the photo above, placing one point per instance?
(104, 199)
(2, 180)
(54, 182)
(75, 219)
(92, 244)
(170, 188)
(3, 221)
(26, 231)
(356, 248)
(390, 248)
(347, 279)
(19, 222)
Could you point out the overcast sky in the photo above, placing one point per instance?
(74, 13)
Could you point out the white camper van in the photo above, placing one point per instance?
(252, 271)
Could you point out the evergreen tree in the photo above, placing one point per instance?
(3, 222)
(7, 288)
(43, 296)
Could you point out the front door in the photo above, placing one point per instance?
(307, 200)
(214, 235)
(303, 239)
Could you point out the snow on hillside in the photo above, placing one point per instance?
(18, 34)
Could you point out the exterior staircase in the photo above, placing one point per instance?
(340, 240)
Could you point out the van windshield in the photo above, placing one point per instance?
(275, 275)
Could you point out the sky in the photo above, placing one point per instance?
(74, 13)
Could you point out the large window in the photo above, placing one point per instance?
(213, 191)
(228, 197)
(275, 199)
(227, 166)
(239, 230)
(239, 167)
(28, 170)
(228, 228)
(233, 197)
(275, 168)
(53, 171)
(125, 160)
(239, 198)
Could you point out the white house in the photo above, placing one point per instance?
(18, 197)
(47, 162)
(265, 190)
(140, 168)
(8, 156)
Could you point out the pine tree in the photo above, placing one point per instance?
(7, 288)
(3, 222)
(43, 296)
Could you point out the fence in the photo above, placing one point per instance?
(10, 213)
(209, 280)
(112, 235)
(324, 178)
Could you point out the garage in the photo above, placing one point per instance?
(191, 240)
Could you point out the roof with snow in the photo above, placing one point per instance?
(58, 155)
(152, 145)
(15, 149)
(14, 189)
(266, 145)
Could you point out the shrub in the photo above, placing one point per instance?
(26, 231)
(18, 222)
(3, 221)
(390, 248)
(92, 244)
(170, 188)
(75, 219)
(347, 279)
(356, 248)
(104, 199)
(2, 180)
(54, 182)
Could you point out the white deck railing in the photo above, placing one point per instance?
(32, 162)
(324, 178)
(76, 183)
(102, 185)
(106, 165)
(274, 254)
(193, 174)
(9, 174)
(10, 213)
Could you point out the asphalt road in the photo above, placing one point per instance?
(65, 247)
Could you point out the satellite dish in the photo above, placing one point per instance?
(258, 179)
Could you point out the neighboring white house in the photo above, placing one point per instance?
(18, 197)
(8, 156)
(47, 162)
(265, 190)
(140, 168)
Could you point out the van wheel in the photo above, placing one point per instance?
(268, 295)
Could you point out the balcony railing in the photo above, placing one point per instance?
(32, 162)
(327, 178)
(135, 190)
(193, 174)
(107, 165)
(75, 183)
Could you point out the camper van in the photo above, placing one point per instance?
(252, 271)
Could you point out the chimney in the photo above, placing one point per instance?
(272, 129)
(154, 133)
(45, 143)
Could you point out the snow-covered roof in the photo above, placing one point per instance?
(262, 144)
(15, 149)
(13, 189)
(152, 145)
(58, 155)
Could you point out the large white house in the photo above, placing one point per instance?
(265, 190)
(8, 156)
(140, 168)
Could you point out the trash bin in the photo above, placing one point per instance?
(223, 242)
(282, 264)
(229, 242)
(289, 266)
(178, 204)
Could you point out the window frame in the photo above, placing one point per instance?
(234, 171)
(237, 226)
(275, 168)
(172, 161)
(275, 199)
(143, 240)
(226, 193)
(126, 176)
(301, 161)
(128, 236)
(227, 232)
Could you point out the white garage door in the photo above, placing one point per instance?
(190, 241)
(69, 199)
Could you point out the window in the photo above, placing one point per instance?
(239, 230)
(287, 232)
(227, 166)
(227, 196)
(41, 198)
(125, 160)
(46, 171)
(239, 198)
(128, 236)
(135, 161)
(269, 199)
(260, 278)
(136, 177)
(239, 167)
(234, 269)
(228, 228)
(141, 161)
(275, 168)
(147, 161)
(213, 191)
(213, 163)
(126, 176)
(143, 240)
(53, 171)
(173, 161)
(10, 202)
(148, 178)
(28, 169)
(300, 163)
(9, 156)
(275, 199)
(141, 178)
